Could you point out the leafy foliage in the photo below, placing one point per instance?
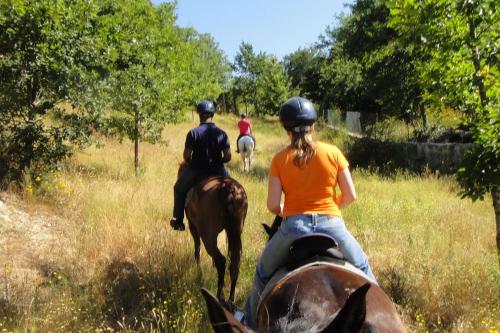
(72, 67)
(460, 40)
(368, 68)
(46, 59)
(260, 80)
(304, 68)
(135, 49)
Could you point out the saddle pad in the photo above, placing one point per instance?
(283, 273)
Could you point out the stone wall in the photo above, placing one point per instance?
(442, 157)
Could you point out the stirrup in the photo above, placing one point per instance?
(239, 316)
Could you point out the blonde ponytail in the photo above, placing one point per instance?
(304, 148)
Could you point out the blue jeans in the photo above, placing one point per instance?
(276, 251)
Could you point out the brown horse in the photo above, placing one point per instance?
(328, 297)
(217, 204)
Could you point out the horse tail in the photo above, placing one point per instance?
(234, 246)
(244, 145)
(236, 209)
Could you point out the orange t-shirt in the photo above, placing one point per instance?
(310, 189)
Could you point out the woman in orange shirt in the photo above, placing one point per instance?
(307, 173)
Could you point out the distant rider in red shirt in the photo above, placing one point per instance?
(245, 129)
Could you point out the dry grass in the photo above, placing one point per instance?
(124, 269)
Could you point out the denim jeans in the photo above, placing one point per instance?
(276, 251)
(188, 178)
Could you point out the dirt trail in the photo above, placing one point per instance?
(29, 240)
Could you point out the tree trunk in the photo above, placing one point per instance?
(495, 195)
(235, 105)
(224, 101)
(423, 115)
(136, 143)
(136, 155)
(28, 139)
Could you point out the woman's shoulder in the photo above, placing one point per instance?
(281, 155)
(328, 147)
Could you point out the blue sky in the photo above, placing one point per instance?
(273, 26)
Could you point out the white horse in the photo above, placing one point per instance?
(246, 147)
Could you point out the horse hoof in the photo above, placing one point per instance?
(177, 225)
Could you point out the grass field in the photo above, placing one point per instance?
(121, 267)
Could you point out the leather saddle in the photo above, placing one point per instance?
(313, 247)
(308, 250)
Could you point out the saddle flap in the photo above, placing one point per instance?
(312, 245)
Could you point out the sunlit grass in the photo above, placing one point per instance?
(433, 253)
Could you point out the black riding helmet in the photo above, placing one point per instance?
(297, 114)
(205, 106)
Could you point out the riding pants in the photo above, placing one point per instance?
(188, 178)
(276, 252)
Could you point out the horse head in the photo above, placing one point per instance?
(319, 297)
(349, 319)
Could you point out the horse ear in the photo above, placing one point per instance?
(222, 320)
(352, 315)
(271, 230)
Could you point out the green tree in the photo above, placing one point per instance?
(50, 71)
(141, 44)
(460, 40)
(260, 80)
(156, 69)
(273, 86)
(210, 70)
(246, 71)
(303, 67)
(367, 70)
(198, 70)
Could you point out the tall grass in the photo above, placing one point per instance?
(123, 268)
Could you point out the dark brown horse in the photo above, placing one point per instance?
(217, 204)
(327, 297)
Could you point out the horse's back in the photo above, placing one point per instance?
(216, 199)
(309, 299)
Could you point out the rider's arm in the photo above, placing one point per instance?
(226, 155)
(274, 196)
(187, 155)
(347, 190)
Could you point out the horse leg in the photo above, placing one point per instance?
(247, 160)
(243, 160)
(196, 238)
(250, 157)
(219, 262)
(234, 252)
